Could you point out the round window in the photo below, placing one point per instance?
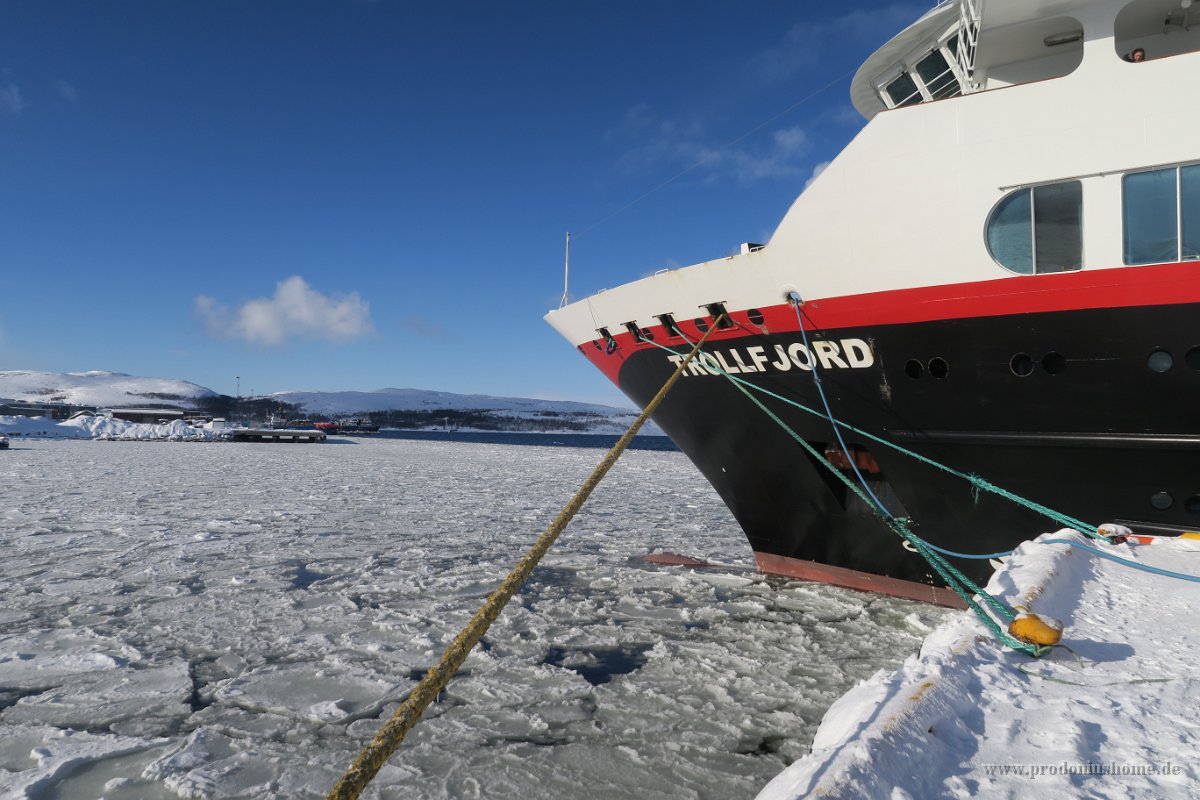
(1160, 361)
(1021, 365)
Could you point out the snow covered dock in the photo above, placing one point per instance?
(1114, 713)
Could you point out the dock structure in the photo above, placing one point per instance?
(1108, 713)
(273, 435)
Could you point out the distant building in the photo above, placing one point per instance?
(18, 408)
(151, 416)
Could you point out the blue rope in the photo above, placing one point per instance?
(977, 556)
(829, 412)
(1124, 561)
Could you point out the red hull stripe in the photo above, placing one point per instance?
(1163, 284)
(853, 579)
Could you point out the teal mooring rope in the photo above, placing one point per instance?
(954, 578)
(963, 586)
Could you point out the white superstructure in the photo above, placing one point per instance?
(1018, 93)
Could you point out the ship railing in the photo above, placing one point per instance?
(969, 12)
(944, 84)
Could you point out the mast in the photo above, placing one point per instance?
(566, 273)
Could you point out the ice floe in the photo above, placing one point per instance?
(237, 621)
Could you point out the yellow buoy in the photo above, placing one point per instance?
(1034, 629)
(1189, 535)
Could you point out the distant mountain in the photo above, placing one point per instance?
(98, 388)
(399, 408)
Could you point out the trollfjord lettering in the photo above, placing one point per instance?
(840, 354)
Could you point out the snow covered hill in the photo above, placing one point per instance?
(97, 388)
(404, 408)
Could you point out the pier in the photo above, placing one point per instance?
(1107, 713)
(273, 435)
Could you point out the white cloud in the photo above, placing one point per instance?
(690, 147)
(66, 91)
(296, 310)
(11, 101)
(817, 170)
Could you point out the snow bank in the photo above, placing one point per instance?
(1112, 712)
(106, 428)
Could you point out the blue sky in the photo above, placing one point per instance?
(357, 195)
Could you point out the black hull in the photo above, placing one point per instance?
(1091, 431)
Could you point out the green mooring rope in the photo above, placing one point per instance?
(1066, 520)
(964, 587)
(976, 481)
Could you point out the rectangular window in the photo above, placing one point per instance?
(1189, 203)
(903, 91)
(940, 81)
(1151, 215)
(1057, 237)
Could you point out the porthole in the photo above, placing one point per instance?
(702, 324)
(1021, 365)
(1161, 501)
(756, 316)
(1054, 363)
(1160, 361)
(938, 367)
(1193, 504)
(913, 368)
(1192, 359)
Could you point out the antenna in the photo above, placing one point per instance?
(566, 274)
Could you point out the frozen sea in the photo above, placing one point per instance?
(235, 620)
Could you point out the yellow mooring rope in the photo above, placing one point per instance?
(375, 755)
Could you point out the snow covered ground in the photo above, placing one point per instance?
(236, 621)
(1115, 714)
(102, 427)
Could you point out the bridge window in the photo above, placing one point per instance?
(1162, 215)
(904, 91)
(931, 78)
(940, 81)
(1037, 230)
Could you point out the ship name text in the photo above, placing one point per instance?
(840, 354)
